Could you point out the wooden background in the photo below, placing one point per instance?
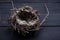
(53, 6)
(50, 30)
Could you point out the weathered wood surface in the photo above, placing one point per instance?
(53, 6)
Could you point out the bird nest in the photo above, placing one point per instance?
(24, 19)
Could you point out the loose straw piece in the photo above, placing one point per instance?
(12, 4)
(45, 16)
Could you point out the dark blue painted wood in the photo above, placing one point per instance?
(46, 33)
(42, 1)
(53, 19)
(50, 29)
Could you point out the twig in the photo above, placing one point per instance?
(45, 16)
(12, 4)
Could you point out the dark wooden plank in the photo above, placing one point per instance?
(45, 33)
(31, 1)
(52, 20)
(36, 1)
